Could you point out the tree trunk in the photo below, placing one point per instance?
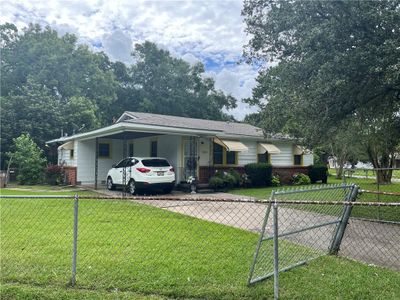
(339, 162)
(383, 166)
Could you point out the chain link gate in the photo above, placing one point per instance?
(300, 231)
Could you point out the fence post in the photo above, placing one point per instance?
(75, 240)
(276, 252)
(337, 239)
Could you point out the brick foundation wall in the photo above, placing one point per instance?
(206, 172)
(285, 173)
(70, 175)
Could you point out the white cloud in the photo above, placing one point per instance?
(238, 81)
(118, 45)
(193, 30)
(190, 58)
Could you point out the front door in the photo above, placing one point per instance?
(190, 157)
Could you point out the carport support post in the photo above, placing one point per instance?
(96, 163)
(124, 155)
(337, 239)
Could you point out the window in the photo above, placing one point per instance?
(218, 154)
(155, 163)
(126, 163)
(153, 149)
(122, 163)
(231, 157)
(71, 154)
(263, 158)
(223, 157)
(104, 150)
(298, 159)
(130, 150)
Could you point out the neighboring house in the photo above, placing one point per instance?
(194, 147)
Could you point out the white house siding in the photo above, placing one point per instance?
(285, 158)
(64, 158)
(168, 146)
(249, 156)
(308, 159)
(85, 159)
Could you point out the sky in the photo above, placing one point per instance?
(208, 31)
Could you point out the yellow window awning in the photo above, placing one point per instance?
(263, 147)
(298, 150)
(231, 145)
(67, 146)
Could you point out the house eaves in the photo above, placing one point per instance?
(122, 127)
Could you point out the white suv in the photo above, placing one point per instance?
(142, 173)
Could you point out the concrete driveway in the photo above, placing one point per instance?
(370, 242)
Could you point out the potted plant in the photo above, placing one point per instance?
(193, 184)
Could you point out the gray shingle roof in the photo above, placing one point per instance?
(228, 128)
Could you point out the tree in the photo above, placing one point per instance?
(81, 114)
(335, 60)
(168, 85)
(30, 109)
(65, 68)
(345, 145)
(50, 83)
(29, 159)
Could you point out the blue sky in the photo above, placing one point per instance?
(208, 31)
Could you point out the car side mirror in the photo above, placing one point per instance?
(113, 166)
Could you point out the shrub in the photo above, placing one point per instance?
(317, 173)
(29, 159)
(260, 174)
(301, 179)
(245, 180)
(54, 174)
(275, 181)
(216, 183)
(229, 179)
(236, 175)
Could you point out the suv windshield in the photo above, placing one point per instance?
(156, 162)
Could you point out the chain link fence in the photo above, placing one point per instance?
(143, 244)
(165, 245)
(303, 224)
(376, 190)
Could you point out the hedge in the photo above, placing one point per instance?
(318, 173)
(260, 174)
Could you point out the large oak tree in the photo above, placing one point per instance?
(331, 61)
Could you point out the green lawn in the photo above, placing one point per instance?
(133, 251)
(379, 213)
(366, 172)
(366, 184)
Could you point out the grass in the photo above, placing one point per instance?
(366, 172)
(378, 213)
(367, 184)
(131, 251)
